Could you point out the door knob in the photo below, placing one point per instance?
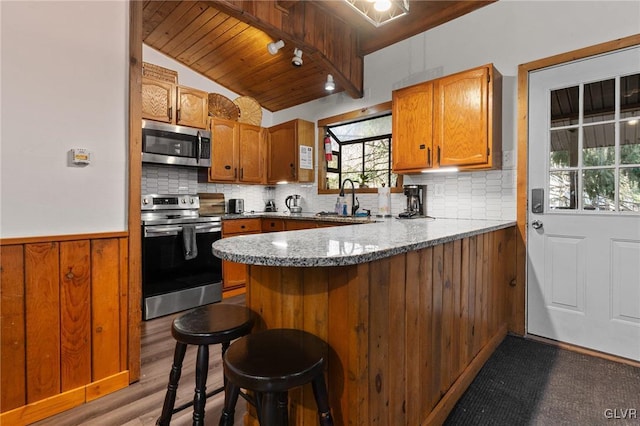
(536, 224)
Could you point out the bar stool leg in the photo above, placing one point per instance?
(322, 400)
(172, 387)
(269, 409)
(283, 407)
(231, 393)
(200, 395)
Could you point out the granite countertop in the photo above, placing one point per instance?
(300, 216)
(349, 244)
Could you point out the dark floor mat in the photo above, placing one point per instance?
(530, 383)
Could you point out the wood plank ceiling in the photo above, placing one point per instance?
(226, 42)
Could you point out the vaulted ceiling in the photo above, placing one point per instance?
(226, 42)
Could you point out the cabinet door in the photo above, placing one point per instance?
(251, 154)
(233, 274)
(305, 138)
(224, 152)
(157, 100)
(192, 107)
(282, 154)
(461, 117)
(412, 141)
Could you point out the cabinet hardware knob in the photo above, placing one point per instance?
(227, 167)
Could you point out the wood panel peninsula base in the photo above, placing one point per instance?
(407, 332)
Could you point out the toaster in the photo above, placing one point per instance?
(236, 206)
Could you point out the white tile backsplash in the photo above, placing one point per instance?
(476, 195)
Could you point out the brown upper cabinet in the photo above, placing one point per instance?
(451, 121)
(290, 153)
(237, 152)
(171, 103)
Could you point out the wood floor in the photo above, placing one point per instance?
(141, 403)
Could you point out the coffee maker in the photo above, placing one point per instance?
(415, 201)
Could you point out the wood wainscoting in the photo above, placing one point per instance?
(64, 315)
(407, 333)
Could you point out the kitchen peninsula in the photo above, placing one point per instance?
(411, 309)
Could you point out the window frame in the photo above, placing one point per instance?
(348, 117)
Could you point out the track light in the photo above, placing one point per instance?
(296, 61)
(330, 85)
(275, 46)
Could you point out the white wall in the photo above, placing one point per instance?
(64, 85)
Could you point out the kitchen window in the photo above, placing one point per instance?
(360, 150)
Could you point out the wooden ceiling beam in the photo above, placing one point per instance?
(317, 33)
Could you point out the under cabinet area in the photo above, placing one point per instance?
(171, 103)
(237, 152)
(451, 121)
(290, 153)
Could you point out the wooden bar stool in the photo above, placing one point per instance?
(269, 363)
(202, 326)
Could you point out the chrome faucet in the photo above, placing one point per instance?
(354, 200)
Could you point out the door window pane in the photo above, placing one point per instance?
(565, 106)
(599, 145)
(630, 189)
(630, 142)
(564, 148)
(630, 96)
(562, 190)
(599, 101)
(598, 189)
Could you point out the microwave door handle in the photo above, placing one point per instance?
(199, 148)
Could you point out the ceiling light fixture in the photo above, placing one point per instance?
(296, 61)
(330, 85)
(380, 12)
(275, 46)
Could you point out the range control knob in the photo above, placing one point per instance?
(192, 200)
(145, 201)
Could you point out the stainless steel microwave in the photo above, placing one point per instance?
(169, 144)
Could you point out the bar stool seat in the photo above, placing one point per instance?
(269, 363)
(216, 323)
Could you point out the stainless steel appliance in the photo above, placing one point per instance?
(293, 203)
(270, 199)
(179, 271)
(236, 206)
(168, 144)
(416, 204)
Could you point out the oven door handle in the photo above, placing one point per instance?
(159, 231)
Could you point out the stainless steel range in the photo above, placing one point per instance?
(179, 271)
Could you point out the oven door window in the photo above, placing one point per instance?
(165, 269)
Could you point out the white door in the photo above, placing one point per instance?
(583, 243)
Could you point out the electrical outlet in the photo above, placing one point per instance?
(438, 190)
(507, 160)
